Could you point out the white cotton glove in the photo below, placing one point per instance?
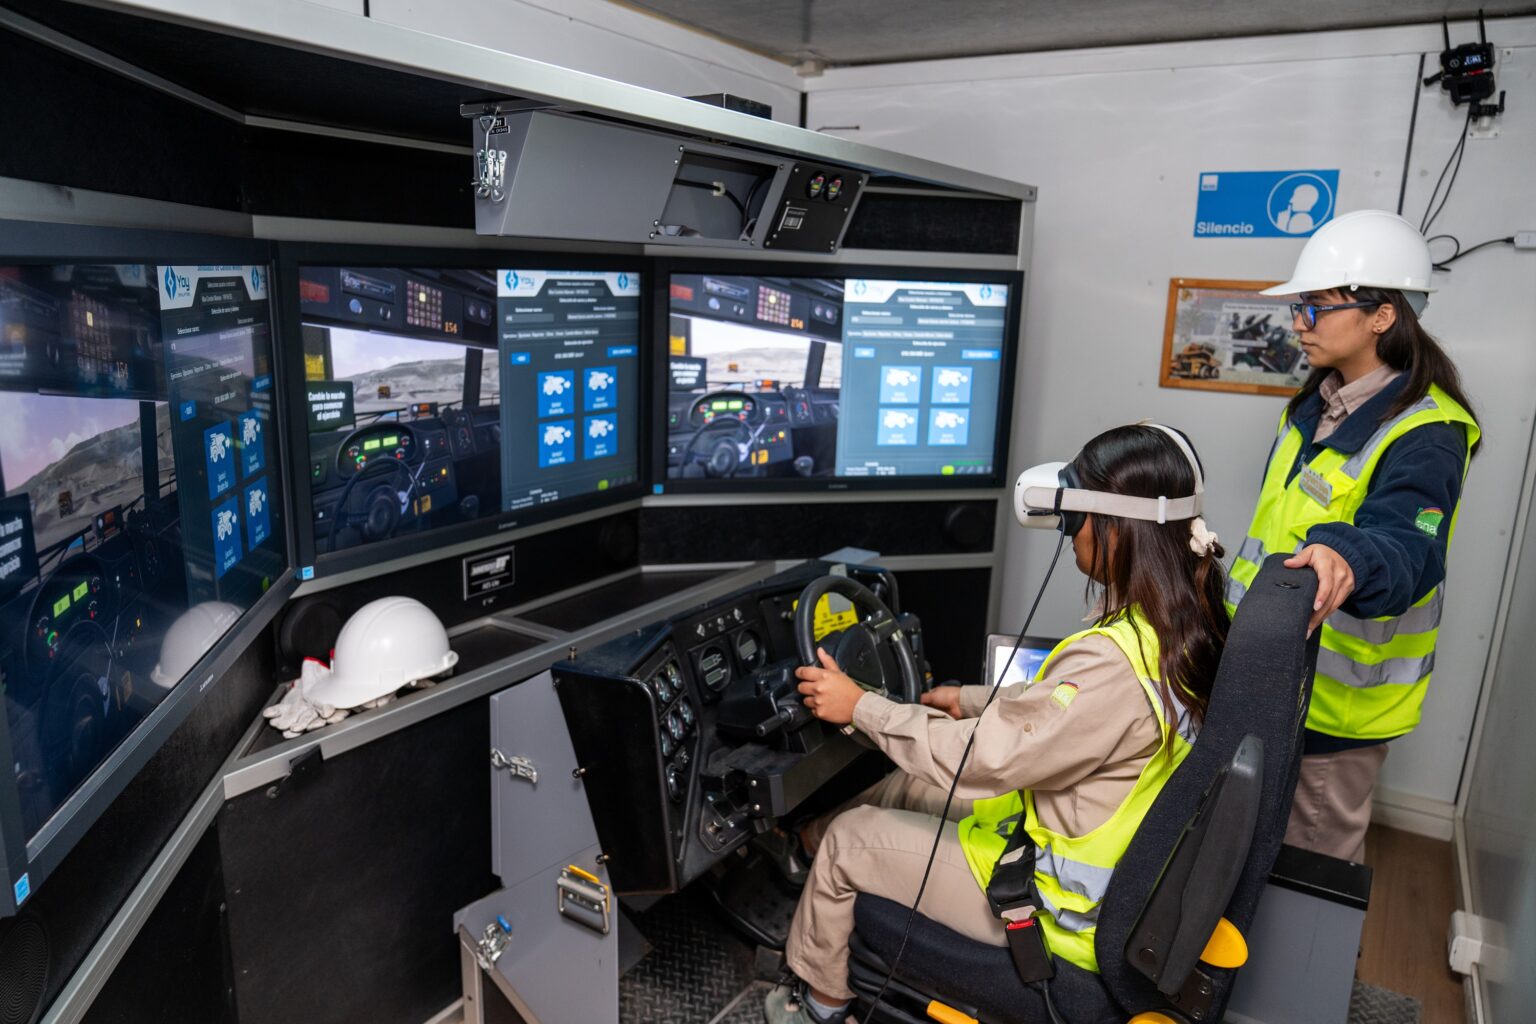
(296, 714)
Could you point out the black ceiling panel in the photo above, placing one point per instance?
(267, 80)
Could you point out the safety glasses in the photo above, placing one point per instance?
(1308, 310)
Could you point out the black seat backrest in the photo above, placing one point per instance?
(1262, 688)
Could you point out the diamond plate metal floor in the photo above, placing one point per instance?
(696, 967)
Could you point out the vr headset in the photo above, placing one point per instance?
(1050, 496)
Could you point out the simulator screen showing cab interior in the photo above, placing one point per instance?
(141, 500)
(833, 378)
(439, 397)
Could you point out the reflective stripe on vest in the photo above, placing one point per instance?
(1371, 673)
(1072, 873)
(1401, 671)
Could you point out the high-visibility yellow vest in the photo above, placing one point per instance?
(1371, 673)
(1072, 873)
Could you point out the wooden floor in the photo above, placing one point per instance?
(1412, 896)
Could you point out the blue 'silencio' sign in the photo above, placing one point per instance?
(1264, 204)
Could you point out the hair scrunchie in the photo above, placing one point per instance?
(1202, 540)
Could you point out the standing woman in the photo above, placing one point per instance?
(1362, 485)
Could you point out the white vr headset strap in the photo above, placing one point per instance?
(1074, 499)
(1043, 500)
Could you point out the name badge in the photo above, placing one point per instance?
(1314, 486)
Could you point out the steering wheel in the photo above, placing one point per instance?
(874, 652)
(381, 512)
(725, 457)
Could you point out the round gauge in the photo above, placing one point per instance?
(714, 667)
(93, 609)
(354, 452)
(668, 745)
(673, 675)
(42, 627)
(96, 584)
(51, 641)
(663, 691)
(749, 648)
(674, 783)
(685, 709)
(676, 726)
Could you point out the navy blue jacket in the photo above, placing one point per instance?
(1394, 562)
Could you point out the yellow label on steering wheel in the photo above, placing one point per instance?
(833, 612)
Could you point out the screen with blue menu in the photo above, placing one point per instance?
(441, 397)
(140, 498)
(779, 377)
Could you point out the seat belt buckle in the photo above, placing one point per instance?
(1026, 943)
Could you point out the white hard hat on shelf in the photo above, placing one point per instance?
(1363, 249)
(385, 645)
(191, 636)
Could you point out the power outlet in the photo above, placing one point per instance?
(1525, 239)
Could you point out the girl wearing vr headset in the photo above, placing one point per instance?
(1362, 484)
(1075, 758)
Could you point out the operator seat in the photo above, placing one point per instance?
(1261, 692)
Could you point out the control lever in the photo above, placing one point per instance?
(774, 723)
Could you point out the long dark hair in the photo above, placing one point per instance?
(1405, 346)
(1151, 565)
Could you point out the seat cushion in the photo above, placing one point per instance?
(951, 967)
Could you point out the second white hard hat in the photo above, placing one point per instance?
(384, 645)
(1367, 249)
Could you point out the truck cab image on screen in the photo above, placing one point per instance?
(831, 377)
(443, 396)
(141, 511)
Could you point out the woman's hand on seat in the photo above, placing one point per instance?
(829, 693)
(1335, 579)
(945, 698)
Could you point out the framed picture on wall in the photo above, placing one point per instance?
(1225, 336)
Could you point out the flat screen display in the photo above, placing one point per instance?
(141, 511)
(832, 378)
(436, 397)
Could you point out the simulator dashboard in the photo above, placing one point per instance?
(141, 511)
(691, 734)
(794, 377)
(438, 397)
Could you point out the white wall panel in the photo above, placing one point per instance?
(1500, 831)
(604, 39)
(1116, 154)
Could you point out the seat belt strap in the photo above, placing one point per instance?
(1015, 901)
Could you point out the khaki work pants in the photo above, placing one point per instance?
(880, 846)
(1332, 808)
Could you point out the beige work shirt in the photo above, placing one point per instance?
(1340, 399)
(1081, 760)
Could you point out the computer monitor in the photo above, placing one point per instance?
(141, 516)
(785, 377)
(1010, 663)
(446, 401)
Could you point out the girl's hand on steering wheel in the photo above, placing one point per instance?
(828, 692)
(945, 698)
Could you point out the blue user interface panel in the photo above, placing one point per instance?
(140, 512)
(831, 377)
(569, 346)
(452, 399)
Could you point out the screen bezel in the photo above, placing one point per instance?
(998, 641)
(660, 290)
(36, 243)
(380, 556)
